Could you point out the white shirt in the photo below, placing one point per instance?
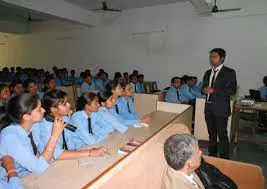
(218, 69)
(190, 178)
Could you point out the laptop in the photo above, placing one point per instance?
(255, 94)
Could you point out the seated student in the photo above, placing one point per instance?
(133, 79)
(49, 84)
(125, 78)
(60, 81)
(72, 78)
(196, 88)
(12, 175)
(118, 77)
(93, 122)
(4, 95)
(87, 85)
(140, 88)
(16, 88)
(136, 73)
(174, 94)
(108, 104)
(17, 139)
(100, 82)
(186, 88)
(31, 87)
(119, 105)
(183, 156)
(57, 106)
(263, 89)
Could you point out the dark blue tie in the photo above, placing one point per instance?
(178, 96)
(90, 130)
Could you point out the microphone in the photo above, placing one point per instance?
(70, 127)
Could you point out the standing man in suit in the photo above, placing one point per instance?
(219, 83)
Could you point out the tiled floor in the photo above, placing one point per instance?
(249, 152)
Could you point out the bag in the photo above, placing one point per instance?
(213, 178)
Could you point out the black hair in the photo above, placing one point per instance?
(28, 82)
(46, 83)
(53, 99)
(221, 52)
(87, 98)
(16, 108)
(86, 75)
(140, 75)
(125, 73)
(2, 86)
(265, 81)
(15, 82)
(174, 78)
(135, 72)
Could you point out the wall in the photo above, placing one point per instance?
(182, 49)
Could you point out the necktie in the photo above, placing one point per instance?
(212, 83)
(65, 147)
(135, 88)
(178, 96)
(128, 106)
(117, 109)
(213, 78)
(33, 144)
(90, 126)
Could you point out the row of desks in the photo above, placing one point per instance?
(72, 174)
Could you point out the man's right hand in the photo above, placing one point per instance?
(208, 90)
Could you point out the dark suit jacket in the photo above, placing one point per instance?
(225, 85)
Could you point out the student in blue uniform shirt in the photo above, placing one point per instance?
(100, 82)
(93, 123)
(186, 88)
(49, 84)
(87, 85)
(12, 175)
(72, 78)
(133, 79)
(196, 88)
(31, 87)
(16, 87)
(121, 109)
(4, 95)
(140, 88)
(17, 140)
(263, 89)
(57, 107)
(174, 95)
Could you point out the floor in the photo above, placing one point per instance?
(248, 151)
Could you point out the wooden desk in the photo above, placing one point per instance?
(70, 174)
(259, 106)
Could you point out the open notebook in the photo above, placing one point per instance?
(129, 146)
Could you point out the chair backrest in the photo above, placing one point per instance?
(255, 94)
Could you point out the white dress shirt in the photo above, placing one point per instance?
(213, 70)
(190, 178)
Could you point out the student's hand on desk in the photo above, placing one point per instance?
(208, 90)
(146, 119)
(58, 127)
(96, 152)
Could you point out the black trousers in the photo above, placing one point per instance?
(217, 127)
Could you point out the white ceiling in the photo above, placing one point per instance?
(120, 4)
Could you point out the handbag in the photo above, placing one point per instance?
(213, 178)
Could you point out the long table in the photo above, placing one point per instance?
(71, 174)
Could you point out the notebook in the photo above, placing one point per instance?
(129, 146)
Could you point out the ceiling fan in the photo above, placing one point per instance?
(30, 19)
(215, 9)
(106, 8)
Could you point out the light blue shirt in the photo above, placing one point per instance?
(43, 131)
(14, 141)
(172, 97)
(187, 92)
(100, 85)
(127, 122)
(85, 87)
(139, 88)
(263, 92)
(60, 81)
(82, 137)
(124, 111)
(196, 91)
(13, 183)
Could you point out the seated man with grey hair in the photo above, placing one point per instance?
(183, 156)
